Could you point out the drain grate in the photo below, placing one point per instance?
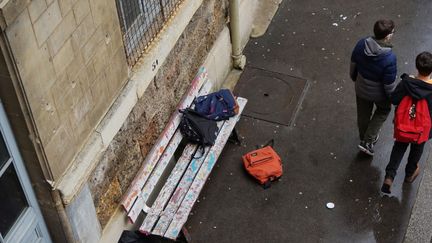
(273, 97)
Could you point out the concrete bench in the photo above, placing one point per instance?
(174, 201)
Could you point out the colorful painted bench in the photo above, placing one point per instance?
(169, 212)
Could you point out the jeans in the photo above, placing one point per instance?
(397, 154)
(370, 123)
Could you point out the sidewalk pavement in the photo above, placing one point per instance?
(313, 40)
(420, 224)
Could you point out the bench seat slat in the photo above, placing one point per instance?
(168, 189)
(157, 150)
(182, 213)
(171, 221)
(178, 195)
(155, 176)
(171, 185)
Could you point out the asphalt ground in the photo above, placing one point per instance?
(313, 40)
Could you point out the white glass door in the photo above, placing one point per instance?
(20, 217)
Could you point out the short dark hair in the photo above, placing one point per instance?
(424, 63)
(383, 28)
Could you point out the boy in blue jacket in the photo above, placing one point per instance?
(373, 69)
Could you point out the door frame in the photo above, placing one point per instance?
(15, 233)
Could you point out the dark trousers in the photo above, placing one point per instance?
(370, 123)
(397, 154)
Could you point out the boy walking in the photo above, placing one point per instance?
(418, 88)
(373, 69)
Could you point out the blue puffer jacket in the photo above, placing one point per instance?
(373, 68)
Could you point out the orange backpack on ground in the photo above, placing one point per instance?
(264, 164)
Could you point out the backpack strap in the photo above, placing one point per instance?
(268, 143)
(200, 147)
(267, 184)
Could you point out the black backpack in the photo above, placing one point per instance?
(197, 129)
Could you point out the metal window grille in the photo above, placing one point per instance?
(141, 21)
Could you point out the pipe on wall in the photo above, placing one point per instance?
(67, 228)
(239, 60)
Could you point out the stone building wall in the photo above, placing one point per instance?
(71, 65)
(70, 59)
(127, 151)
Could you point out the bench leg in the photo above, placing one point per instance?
(234, 137)
(184, 235)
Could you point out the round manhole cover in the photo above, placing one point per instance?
(267, 95)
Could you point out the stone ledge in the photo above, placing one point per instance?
(77, 174)
(118, 113)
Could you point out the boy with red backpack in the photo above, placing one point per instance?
(413, 97)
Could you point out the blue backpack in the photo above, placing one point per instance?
(220, 105)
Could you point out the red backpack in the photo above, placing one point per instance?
(412, 121)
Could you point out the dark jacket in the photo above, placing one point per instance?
(373, 68)
(417, 89)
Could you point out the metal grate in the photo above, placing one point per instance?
(141, 21)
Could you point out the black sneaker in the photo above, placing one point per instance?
(387, 185)
(366, 148)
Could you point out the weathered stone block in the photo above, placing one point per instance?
(111, 21)
(77, 64)
(65, 6)
(100, 94)
(47, 122)
(49, 2)
(13, 9)
(36, 8)
(84, 106)
(115, 41)
(66, 94)
(63, 58)
(100, 60)
(47, 22)
(117, 72)
(61, 33)
(102, 11)
(20, 33)
(88, 49)
(84, 31)
(79, 120)
(60, 150)
(91, 74)
(36, 72)
(83, 79)
(81, 213)
(106, 207)
(81, 9)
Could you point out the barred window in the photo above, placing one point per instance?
(141, 21)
